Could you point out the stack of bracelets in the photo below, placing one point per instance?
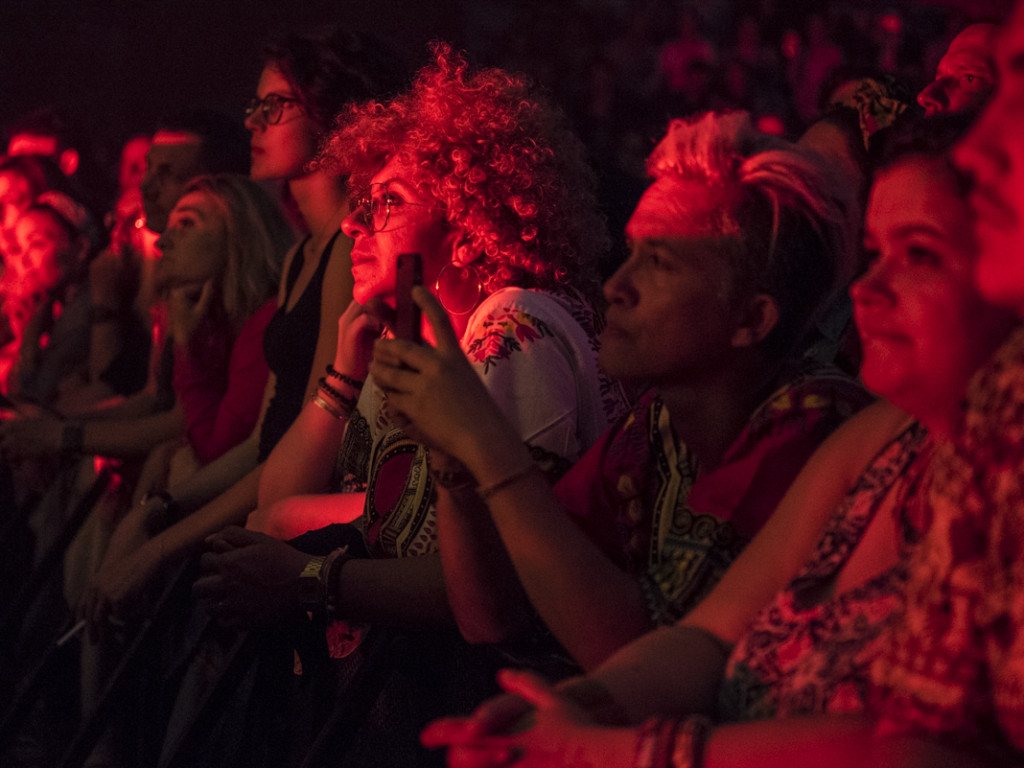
(332, 399)
(663, 743)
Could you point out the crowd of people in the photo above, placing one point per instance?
(748, 495)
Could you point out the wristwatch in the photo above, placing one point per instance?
(311, 593)
(160, 519)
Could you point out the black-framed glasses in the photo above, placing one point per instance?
(373, 208)
(271, 107)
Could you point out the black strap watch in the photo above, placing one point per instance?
(311, 593)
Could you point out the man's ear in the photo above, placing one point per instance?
(759, 317)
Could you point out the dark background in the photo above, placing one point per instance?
(112, 67)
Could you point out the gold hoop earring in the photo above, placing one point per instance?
(459, 291)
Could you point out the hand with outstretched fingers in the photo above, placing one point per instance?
(556, 732)
(114, 592)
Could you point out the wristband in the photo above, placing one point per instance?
(310, 579)
(325, 389)
(333, 372)
(485, 492)
(168, 514)
(332, 409)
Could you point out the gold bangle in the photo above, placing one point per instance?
(329, 407)
(486, 491)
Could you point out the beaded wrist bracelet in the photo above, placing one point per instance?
(348, 404)
(334, 373)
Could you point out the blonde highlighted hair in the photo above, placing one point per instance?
(790, 225)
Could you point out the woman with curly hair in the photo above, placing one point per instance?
(483, 179)
(478, 175)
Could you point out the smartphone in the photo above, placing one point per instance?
(407, 312)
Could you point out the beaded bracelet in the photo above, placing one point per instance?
(348, 403)
(325, 385)
(485, 492)
(333, 372)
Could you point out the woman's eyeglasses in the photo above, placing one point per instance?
(271, 107)
(374, 207)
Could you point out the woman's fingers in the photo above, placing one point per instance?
(447, 732)
(230, 538)
(444, 335)
(467, 748)
(352, 311)
(377, 308)
(529, 686)
(205, 299)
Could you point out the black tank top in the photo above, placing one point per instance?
(289, 345)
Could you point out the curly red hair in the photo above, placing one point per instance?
(500, 159)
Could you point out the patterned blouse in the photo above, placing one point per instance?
(536, 353)
(953, 667)
(642, 498)
(808, 652)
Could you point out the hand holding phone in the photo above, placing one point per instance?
(407, 312)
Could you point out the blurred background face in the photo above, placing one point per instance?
(132, 167)
(992, 154)
(172, 161)
(15, 197)
(923, 326)
(44, 246)
(964, 78)
(281, 150)
(194, 245)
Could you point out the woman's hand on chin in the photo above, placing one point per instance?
(188, 304)
(358, 327)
